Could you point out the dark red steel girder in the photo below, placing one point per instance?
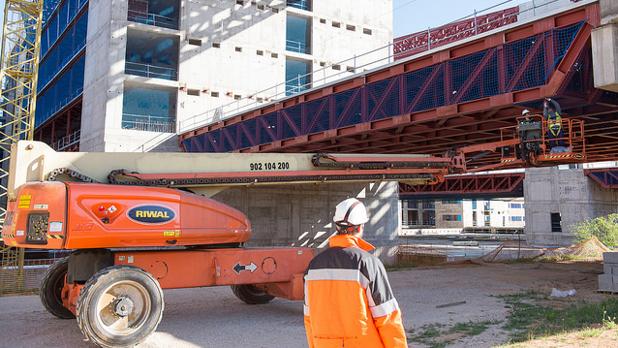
(605, 177)
(364, 122)
(469, 186)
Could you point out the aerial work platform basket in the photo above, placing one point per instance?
(529, 143)
(532, 142)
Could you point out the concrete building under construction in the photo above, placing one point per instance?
(116, 75)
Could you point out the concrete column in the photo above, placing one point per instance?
(301, 215)
(568, 192)
(104, 71)
(605, 47)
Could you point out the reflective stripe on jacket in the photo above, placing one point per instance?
(554, 123)
(348, 299)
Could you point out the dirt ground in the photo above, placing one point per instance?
(215, 318)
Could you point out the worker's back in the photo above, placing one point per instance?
(348, 300)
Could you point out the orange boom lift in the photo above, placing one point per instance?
(136, 231)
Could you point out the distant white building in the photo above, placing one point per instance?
(455, 215)
(494, 213)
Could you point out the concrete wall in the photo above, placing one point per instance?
(568, 192)
(609, 11)
(447, 208)
(301, 215)
(104, 69)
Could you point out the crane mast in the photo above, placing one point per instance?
(21, 37)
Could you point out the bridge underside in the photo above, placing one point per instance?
(475, 186)
(459, 96)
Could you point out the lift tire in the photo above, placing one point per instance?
(249, 294)
(124, 296)
(51, 289)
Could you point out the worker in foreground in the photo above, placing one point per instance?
(348, 299)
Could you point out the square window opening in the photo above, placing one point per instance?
(336, 24)
(216, 45)
(367, 31)
(195, 42)
(214, 94)
(350, 27)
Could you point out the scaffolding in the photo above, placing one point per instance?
(20, 59)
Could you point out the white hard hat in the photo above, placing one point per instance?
(350, 212)
(525, 112)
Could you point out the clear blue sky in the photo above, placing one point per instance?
(414, 15)
(410, 16)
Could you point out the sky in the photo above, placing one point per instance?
(410, 16)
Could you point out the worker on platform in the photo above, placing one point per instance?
(552, 114)
(348, 299)
(529, 135)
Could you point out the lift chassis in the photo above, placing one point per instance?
(146, 224)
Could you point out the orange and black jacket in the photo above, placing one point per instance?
(348, 299)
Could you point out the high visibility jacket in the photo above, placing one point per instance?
(348, 299)
(554, 119)
(554, 123)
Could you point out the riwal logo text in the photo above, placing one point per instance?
(151, 214)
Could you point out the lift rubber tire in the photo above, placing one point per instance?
(51, 289)
(120, 306)
(249, 294)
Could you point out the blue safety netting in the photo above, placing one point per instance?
(518, 65)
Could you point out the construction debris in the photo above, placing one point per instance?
(562, 293)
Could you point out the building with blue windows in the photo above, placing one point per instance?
(123, 75)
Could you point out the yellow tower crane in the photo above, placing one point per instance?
(21, 37)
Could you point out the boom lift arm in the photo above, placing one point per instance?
(208, 173)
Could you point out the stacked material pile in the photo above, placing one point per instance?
(608, 281)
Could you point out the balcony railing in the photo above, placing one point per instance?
(152, 71)
(153, 19)
(68, 141)
(300, 4)
(297, 46)
(148, 123)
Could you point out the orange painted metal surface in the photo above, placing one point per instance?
(70, 295)
(37, 218)
(213, 267)
(110, 216)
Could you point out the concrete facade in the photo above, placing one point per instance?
(568, 193)
(227, 51)
(301, 215)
